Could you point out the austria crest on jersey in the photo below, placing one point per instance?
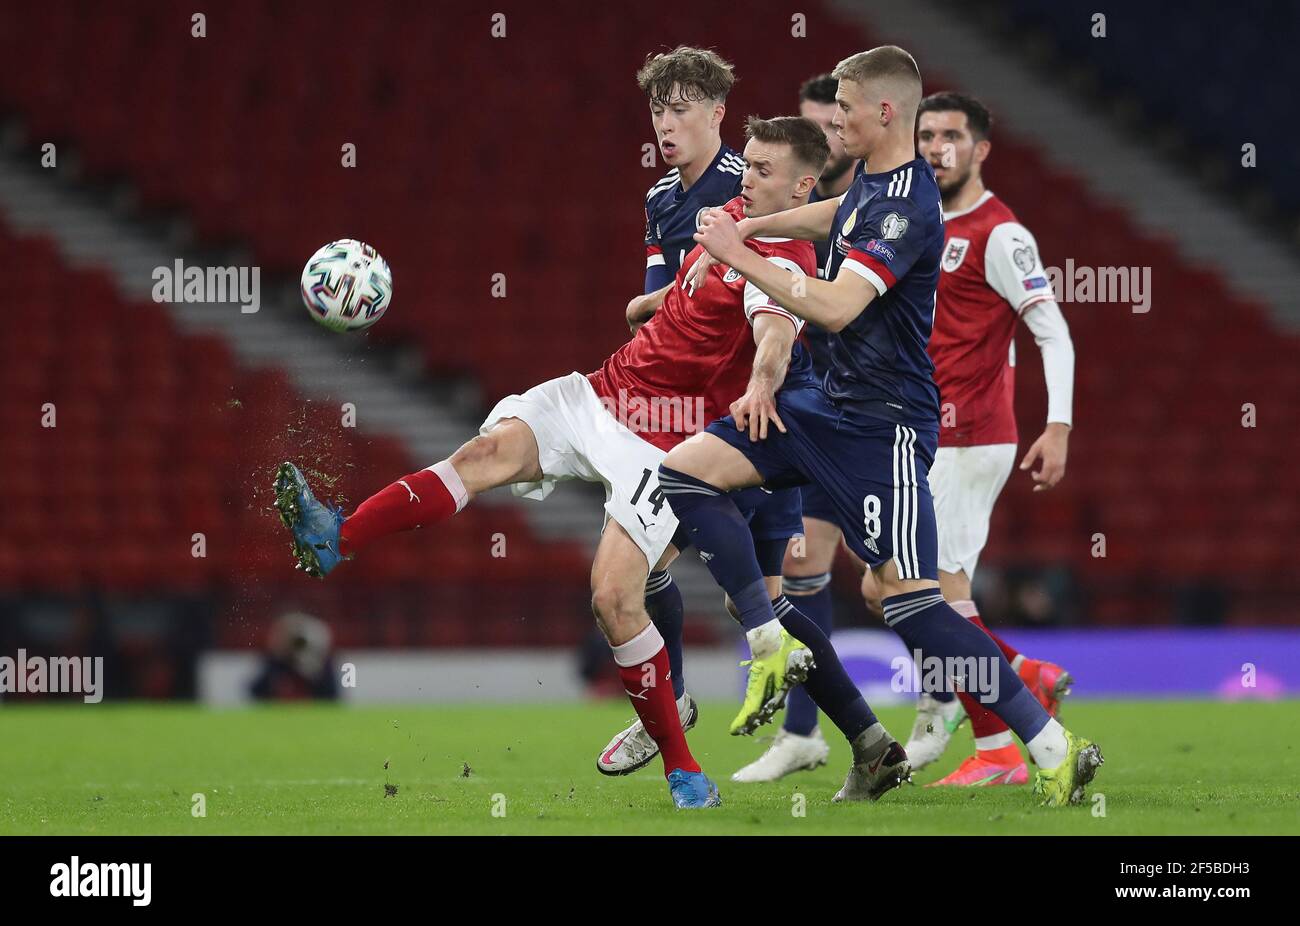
(954, 253)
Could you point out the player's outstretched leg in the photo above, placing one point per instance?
(323, 537)
(879, 761)
(722, 536)
(633, 748)
(314, 524)
(618, 601)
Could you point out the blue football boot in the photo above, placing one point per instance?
(692, 789)
(315, 524)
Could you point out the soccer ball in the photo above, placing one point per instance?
(346, 285)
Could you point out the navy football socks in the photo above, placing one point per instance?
(929, 626)
(812, 596)
(663, 602)
(828, 684)
(721, 536)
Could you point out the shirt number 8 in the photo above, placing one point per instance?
(871, 516)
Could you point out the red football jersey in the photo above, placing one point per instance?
(991, 273)
(685, 366)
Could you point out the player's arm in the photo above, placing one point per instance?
(829, 304)
(1013, 269)
(640, 309)
(657, 273)
(1052, 335)
(774, 335)
(810, 222)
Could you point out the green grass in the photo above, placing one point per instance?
(1171, 767)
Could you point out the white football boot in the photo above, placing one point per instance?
(935, 724)
(788, 753)
(634, 748)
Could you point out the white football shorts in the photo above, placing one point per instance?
(579, 438)
(965, 482)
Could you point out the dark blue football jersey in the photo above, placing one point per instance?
(823, 248)
(888, 230)
(672, 214)
(818, 339)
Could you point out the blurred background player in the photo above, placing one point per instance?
(991, 275)
(298, 662)
(799, 743)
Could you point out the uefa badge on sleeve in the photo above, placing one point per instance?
(893, 226)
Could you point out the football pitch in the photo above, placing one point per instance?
(1171, 767)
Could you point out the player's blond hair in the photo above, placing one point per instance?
(696, 73)
(888, 62)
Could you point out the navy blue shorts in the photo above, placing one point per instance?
(873, 472)
(816, 503)
(774, 517)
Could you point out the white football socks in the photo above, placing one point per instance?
(764, 640)
(1049, 749)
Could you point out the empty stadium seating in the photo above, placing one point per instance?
(242, 131)
(124, 439)
(1191, 76)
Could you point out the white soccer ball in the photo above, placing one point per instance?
(346, 285)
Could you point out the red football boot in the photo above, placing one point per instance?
(1048, 681)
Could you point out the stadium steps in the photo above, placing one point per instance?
(1160, 199)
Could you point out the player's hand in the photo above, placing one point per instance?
(718, 234)
(755, 409)
(640, 309)
(698, 275)
(1051, 448)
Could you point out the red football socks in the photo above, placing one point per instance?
(967, 610)
(643, 667)
(1007, 649)
(983, 722)
(417, 500)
